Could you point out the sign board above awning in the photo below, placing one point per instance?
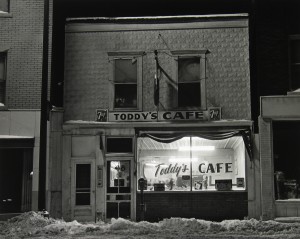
(280, 107)
(103, 115)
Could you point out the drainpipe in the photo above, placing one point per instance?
(43, 122)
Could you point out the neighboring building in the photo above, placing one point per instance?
(164, 99)
(279, 148)
(279, 128)
(21, 53)
(277, 52)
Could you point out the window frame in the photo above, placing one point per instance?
(187, 54)
(130, 55)
(291, 63)
(3, 55)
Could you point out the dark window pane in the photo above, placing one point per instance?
(125, 96)
(83, 176)
(286, 159)
(125, 71)
(123, 197)
(2, 91)
(2, 77)
(295, 51)
(124, 209)
(189, 94)
(112, 210)
(295, 77)
(2, 66)
(82, 198)
(119, 145)
(4, 5)
(83, 184)
(189, 69)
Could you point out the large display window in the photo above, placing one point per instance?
(192, 164)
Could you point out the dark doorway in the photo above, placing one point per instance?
(15, 180)
(286, 149)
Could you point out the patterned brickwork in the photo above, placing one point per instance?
(21, 33)
(87, 67)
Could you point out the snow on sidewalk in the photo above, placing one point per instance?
(34, 225)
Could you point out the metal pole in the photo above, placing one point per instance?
(43, 121)
(156, 81)
(142, 204)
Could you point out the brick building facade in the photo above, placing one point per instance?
(21, 49)
(89, 146)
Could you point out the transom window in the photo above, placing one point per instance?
(126, 77)
(4, 6)
(2, 78)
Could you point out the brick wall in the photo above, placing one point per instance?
(267, 171)
(21, 33)
(87, 67)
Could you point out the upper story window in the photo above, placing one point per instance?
(126, 81)
(189, 87)
(4, 6)
(191, 75)
(2, 78)
(294, 50)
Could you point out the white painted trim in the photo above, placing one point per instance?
(162, 17)
(111, 27)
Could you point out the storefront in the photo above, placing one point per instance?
(165, 103)
(279, 147)
(191, 169)
(19, 156)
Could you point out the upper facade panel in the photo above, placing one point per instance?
(148, 64)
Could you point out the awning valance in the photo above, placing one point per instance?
(164, 136)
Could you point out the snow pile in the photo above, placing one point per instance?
(32, 224)
(136, 228)
(26, 224)
(71, 228)
(252, 226)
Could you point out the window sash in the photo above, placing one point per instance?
(136, 101)
(202, 79)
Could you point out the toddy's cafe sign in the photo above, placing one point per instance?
(103, 115)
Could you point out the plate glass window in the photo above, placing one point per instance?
(192, 164)
(2, 78)
(125, 83)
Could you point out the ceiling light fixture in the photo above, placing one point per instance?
(196, 148)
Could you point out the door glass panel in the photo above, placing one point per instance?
(124, 210)
(83, 184)
(118, 189)
(118, 177)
